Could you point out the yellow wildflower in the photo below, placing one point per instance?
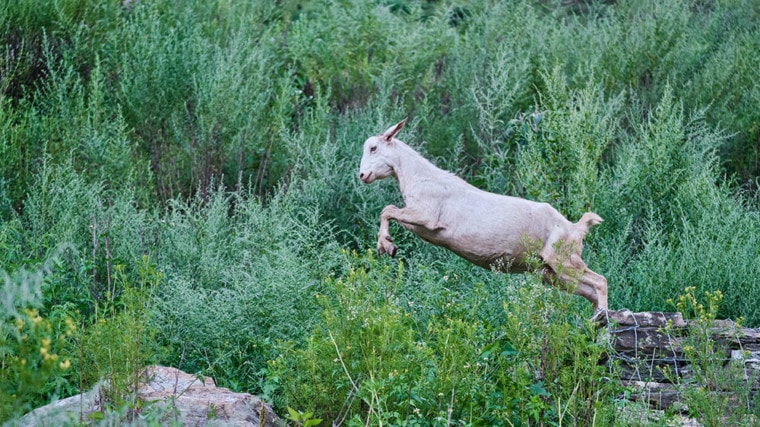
(70, 327)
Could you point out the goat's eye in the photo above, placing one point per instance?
(372, 149)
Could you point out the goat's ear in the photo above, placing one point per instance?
(393, 130)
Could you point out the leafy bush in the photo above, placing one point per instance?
(559, 156)
(120, 341)
(32, 347)
(674, 219)
(374, 357)
(237, 280)
(49, 354)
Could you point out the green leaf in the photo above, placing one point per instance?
(293, 415)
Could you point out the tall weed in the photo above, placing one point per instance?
(715, 392)
(560, 149)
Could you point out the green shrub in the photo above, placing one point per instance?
(559, 152)
(118, 342)
(375, 357)
(675, 222)
(32, 347)
(14, 173)
(46, 355)
(31, 362)
(238, 276)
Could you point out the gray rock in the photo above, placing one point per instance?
(183, 399)
(642, 319)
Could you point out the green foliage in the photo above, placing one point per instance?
(32, 347)
(57, 352)
(559, 155)
(302, 419)
(673, 218)
(237, 279)
(375, 357)
(221, 139)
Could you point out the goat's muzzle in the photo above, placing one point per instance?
(366, 177)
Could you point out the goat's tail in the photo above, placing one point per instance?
(588, 220)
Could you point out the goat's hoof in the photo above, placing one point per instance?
(600, 315)
(392, 250)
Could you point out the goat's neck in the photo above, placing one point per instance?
(412, 168)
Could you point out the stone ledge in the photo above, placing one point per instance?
(647, 345)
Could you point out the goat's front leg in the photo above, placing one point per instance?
(406, 217)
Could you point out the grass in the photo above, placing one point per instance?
(181, 177)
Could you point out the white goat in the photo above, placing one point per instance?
(487, 229)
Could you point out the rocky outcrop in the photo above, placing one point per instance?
(179, 397)
(649, 353)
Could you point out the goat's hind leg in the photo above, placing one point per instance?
(589, 285)
(571, 283)
(573, 275)
(599, 284)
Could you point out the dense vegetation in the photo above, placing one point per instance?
(178, 186)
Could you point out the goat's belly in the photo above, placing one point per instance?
(506, 262)
(501, 252)
(483, 256)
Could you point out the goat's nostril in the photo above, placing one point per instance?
(361, 175)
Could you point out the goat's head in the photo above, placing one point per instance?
(379, 155)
